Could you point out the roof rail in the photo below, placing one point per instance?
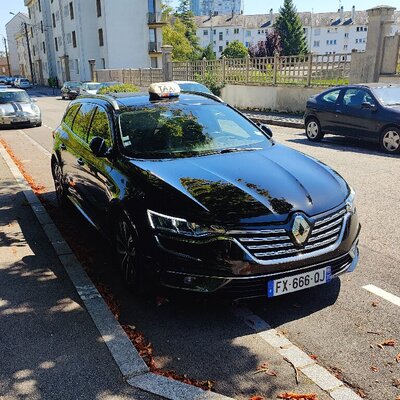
(208, 95)
(105, 97)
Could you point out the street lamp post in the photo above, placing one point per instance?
(29, 49)
(8, 59)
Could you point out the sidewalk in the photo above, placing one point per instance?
(280, 119)
(50, 347)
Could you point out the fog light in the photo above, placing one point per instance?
(189, 280)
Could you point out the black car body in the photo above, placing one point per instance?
(71, 90)
(234, 220)
(365, 111)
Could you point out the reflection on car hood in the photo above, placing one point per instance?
(247, 187)
(16, 107)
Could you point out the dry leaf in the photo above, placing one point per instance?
(264, 368)
(387, 342)
(374, 304)
(297, 396)
(313, 356)
(361, 393)
(398, 358)
(374, 369)
(396, 383)
(257, 398)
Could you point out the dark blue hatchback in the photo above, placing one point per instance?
(365, 111)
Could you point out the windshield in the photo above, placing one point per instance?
(72, 84)
(108, 84)
(92, 86)
(9, 97)
(194, 87)
(388, 96)
(165, 131)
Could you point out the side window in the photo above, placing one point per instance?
(100, 126)
(355, 97)
(70, 115)
(331, 97)
(82, 121)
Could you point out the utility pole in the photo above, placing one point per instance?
(29, 52)
(8, 59)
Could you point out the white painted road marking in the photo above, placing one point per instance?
(301, 361)
(35, 143)
(382, 293)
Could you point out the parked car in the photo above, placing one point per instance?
(16, 82)
(90, 87)
(193, 87)
(18, 109)
(70, 90)
(107, 84)
(365, 111)
(3, 79)
(197, 197)
(24, 83)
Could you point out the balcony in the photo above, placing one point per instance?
(156, 18)
(155, 47)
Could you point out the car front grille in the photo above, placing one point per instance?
(277, 243)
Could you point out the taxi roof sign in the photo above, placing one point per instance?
(164, 90)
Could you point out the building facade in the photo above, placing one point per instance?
(216, 7)
(326, 33)
(66, 34)
(15, 27)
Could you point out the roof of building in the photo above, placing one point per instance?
(307, 18)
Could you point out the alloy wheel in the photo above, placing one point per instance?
(127, 253)
(391, 141)
(312, 129)
(58, 182)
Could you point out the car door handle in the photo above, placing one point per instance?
(80, 161)
(338, 111)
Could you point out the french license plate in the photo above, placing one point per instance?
(294, 283)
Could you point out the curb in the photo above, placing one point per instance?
(132, 367)
(289, 123)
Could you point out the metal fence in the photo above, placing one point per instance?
(140, 77)
(305, 70)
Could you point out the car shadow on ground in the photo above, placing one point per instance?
(345, 144)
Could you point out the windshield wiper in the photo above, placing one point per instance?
(237, 149)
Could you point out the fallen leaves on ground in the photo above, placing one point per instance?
(264, 368)
(257, 398)
(398, 358)
(387, 342)
(298, 396)
(313, 356)
(374, 304)
(396, 383)
(374, 369)
(361, 393)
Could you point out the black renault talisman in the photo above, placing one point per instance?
(199, 198)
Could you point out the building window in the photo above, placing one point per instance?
(77, 66)
(248, 33)
(103, 63)
(56, 43)
(71, 10)
(101, 39)
(358, 29)
(98, 6)
(73, 39)
(247, 44)
(346, 35)
(39, 6)
(66, 11)
(317, 31)
(154, 62)
(227, 43)
(227, 32)
(205, 32)
(236, 31)
(215, 31)
(316, 43)
(69, 38)
(44, 47)
(221, 49)
(221, 36)
(41, 26)
(29, 12)
(34, 50)
(31, 31)
(54, 20)
(345, 47)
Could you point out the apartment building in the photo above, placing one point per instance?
(66, 34)
(216, 7)
(13, 28)
(326, 33)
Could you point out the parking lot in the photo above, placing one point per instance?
(343, 326)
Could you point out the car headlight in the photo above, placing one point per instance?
(35, 109)
(2, 112)
(351, 202)
(180, 226)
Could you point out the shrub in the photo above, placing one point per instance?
(211, 82)
(121, 88)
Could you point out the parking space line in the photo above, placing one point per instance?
(35, 143)
(297, 357)
(383, 293)
(48, 127)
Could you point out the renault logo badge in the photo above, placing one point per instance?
(300, 230)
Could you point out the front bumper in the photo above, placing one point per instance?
(13, 120)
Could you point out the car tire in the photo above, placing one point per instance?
(39, 124)
(390, 140)
(59, 184)
(130, 261)
(313, 130)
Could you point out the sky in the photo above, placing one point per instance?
(250, 7)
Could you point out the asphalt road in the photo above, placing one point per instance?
(341, 324)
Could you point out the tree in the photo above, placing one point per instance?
(208, 53)
(174, 35)
(235, 49)
(289, 28)
(267, 48)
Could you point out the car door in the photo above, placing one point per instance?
(98, 172)
(76, 153)
(327, 110)
(357, 119)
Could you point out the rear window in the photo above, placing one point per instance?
(70, 115)
(24, 80)
(82, 121)
(331, 97)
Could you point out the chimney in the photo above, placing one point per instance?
(353, 14)
(271, 15)
(341, 13)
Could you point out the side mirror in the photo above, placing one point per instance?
(34, 100)
(99, 147)
(368, 106)
(265, 129)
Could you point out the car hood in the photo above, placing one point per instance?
(262, 186)
(15, 107)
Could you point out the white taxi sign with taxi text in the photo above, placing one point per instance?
(164, 90)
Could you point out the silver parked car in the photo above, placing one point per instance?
(18, 109)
